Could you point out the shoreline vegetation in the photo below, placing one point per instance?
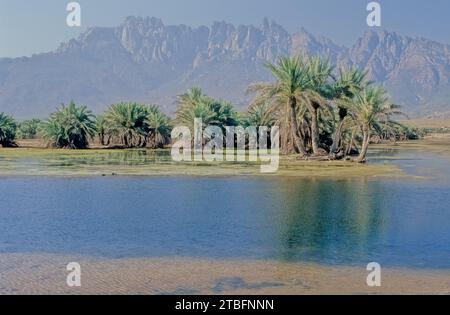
(323, 113)
(141, 162)
(32, 159)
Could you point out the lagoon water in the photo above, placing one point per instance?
(396, 222)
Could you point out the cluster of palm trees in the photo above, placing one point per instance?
(74, 127)
(321, 112)
(126, 124)
(134, 125)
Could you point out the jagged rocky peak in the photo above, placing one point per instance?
(147, 60)
(143, 23)
(379, 51)
(137, 34)
(134, 29)
(270, 27)
(303, 42)
(150, 37)
(376, 42)
(277, 41)
(150, 40)
(248, 41)
(219, 37)
(92, 40)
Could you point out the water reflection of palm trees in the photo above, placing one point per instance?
(330, 221)
(112, 158)
(137, 157)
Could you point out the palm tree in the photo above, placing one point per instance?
(127, 123)
(369, 108)
(190, 97)
(186, 114)
(285, 96)
(194, 104)
(259, 115)
(7, 130)
(28, 129)
(70, 127)
(349, 82)
(101, 129)
(320, 92)
(159, 128)
(224, 113)
(395, 131)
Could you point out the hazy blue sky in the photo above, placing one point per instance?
(28, 27)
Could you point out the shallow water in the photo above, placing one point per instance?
(396, 222)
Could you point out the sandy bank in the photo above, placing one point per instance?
(46, 274)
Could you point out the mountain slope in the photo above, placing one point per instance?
(416, 71)
(146, 61)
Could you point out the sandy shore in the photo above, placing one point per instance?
(46, 274)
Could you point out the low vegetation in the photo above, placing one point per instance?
(428, 126)
(28, 129)
(8, 129)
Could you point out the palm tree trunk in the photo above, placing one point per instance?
(296, 138)
(365, 145)
(314, 131)
(337, 141)
(350, 144)
(102, 138)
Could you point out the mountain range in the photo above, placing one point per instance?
(144, 60)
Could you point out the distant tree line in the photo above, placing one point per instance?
(321, 112)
